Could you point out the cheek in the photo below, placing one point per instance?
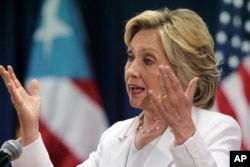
(125, 75)
(125, 72)
(153, 84)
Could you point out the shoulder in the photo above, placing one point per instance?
(119, 128)
(122, 125)
(212, 117)
(214, 123)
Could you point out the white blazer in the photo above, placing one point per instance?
(215, 136)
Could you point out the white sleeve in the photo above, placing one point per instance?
(95, 159)
(192, 153)
(210, 150)
(34, 154)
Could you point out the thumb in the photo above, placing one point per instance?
(34, 88)
(190, 91)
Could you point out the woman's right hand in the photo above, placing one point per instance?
(27, 104)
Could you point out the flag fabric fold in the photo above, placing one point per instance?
(72, 117)
(232, 49)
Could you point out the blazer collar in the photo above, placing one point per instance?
(160, 155)
(131, 129)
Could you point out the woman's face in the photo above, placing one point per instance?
(145, 54)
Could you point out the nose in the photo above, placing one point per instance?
(132, 70)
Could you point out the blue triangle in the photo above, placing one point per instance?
(58, 48)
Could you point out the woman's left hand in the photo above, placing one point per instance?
(174, 104)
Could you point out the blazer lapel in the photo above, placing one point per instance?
(160, 155)
(119, 153)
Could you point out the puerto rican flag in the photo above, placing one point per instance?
(72, 118)
(232, 46)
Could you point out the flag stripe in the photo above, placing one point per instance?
(245, 76)
(91, 120)
(90, 88)
(222, 104)
(238, 102)
(53, 143)
(72, 118)
(232, 48)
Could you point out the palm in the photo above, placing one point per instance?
(175, 109)
(27, 104)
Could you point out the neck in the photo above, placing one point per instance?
(149, 122)
(151, 116)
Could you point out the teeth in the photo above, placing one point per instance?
(136, 89)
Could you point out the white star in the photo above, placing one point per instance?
(52, 27)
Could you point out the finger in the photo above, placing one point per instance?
(6, 75)
(10, 85)
(173, 87)
(2, 71)
(13, 76)
(163, 91)
(190, 91)
(163, 81)
(2, 68)
(155, 100)
(15, 96)
(168, 115)
(174, 84)
(6, 78)
(34, 88)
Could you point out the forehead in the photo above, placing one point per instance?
(150, 37)
(147, 40)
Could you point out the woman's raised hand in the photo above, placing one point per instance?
(175, 104)
(27, 104)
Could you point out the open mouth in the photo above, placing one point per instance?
(136, 89)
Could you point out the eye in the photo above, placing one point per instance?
(130, 58)
(148, 61)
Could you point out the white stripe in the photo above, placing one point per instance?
(246, 63)
(233, 90)
(71, 115)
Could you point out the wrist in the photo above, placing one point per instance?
(182, 136)
(29, 135)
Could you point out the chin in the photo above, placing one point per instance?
(135, 104)
(138, 105)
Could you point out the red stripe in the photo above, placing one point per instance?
(90, 88)
(225, 107)
(245, 80)
(59, 154)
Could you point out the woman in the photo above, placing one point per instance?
(171, 75)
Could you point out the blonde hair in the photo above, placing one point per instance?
(188, 47)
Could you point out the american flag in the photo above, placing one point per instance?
(72, 117)
(232, 50)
